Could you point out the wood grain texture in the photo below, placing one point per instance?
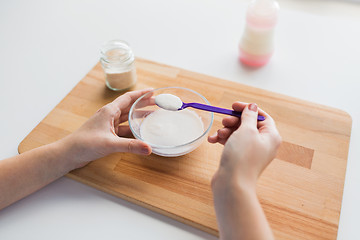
(300, 191)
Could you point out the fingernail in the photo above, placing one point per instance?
(253, 107)
(145, 150)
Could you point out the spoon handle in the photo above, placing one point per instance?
(216, 109)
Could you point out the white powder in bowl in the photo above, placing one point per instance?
(171, 128)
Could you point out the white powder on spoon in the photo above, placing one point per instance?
(168, 101)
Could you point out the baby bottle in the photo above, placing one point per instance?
(257, 43)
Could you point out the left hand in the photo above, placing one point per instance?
(101, 135)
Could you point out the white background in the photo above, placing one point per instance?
(46, 47)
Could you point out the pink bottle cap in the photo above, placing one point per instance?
(253, 60)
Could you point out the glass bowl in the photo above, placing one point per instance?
(144, 106)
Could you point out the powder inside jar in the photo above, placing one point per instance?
(119, 81)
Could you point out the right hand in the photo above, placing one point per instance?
(249, 146)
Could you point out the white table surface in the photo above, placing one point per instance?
(46, 47)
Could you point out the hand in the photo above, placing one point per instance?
(250, 145)
(101, 135)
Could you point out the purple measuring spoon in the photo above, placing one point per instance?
(215, 109)
(174, 103)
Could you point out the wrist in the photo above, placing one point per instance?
(224, 183)
(69, 154)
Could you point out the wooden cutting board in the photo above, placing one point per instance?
(300, 191)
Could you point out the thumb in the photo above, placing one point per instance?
(249, 115)
(132, 146)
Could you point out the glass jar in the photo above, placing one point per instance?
(117, 60)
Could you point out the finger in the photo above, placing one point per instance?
(268, 130)
(222, 141)
(124, 101)
(268, 119)
(271, 133)
(213, 138)
(127, 99)
(146, 101)
(231, 121)
(249, 116)
(132, 146)
(268, 125)
(225, 133)
(124, 118)
(108, 110)
(124, 131)
(239, 106)
(139, 114)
